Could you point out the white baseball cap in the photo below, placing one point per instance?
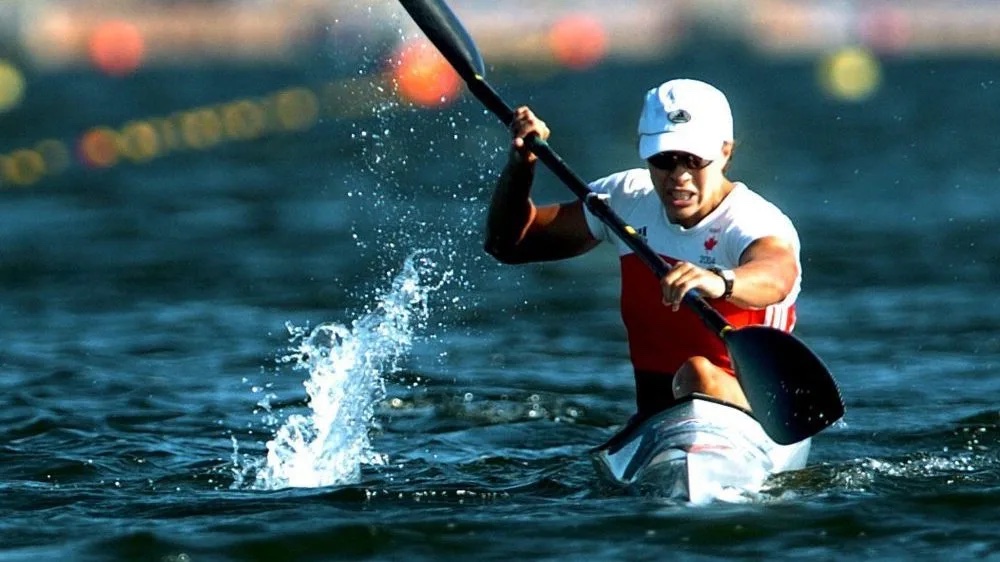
(687, 116)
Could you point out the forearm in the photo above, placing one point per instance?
(762, 283)
(767, 273)
(511, 210)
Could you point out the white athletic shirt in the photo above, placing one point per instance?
(660, 339)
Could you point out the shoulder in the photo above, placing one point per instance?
(624, 192)
(744, 196)
(751, 207)
(633, 182)
(750, 217)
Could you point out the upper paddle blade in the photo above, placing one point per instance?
(439, 23)
(790, 390)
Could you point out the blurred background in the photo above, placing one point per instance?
(110, 45)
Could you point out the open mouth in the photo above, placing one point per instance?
(679, 196)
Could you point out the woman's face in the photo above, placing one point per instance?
(688, 186)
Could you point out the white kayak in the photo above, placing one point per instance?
(700, 450)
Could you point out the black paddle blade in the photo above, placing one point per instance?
(790, 390)
(440, 25)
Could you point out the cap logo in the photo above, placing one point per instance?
(679, 116)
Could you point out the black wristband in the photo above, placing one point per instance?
(728, 277)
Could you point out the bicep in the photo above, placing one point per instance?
(776, 256)
(556, 232)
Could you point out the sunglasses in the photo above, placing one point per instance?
(668, 161)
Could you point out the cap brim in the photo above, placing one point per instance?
(673, 141)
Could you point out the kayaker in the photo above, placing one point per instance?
(723, 240)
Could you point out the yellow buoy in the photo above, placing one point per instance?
(850, 74)
(11, 86)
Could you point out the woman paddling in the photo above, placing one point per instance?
(723, 240)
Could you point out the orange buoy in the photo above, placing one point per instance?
(423, 76)
(98, 148)
(578, 41)
(117, 47)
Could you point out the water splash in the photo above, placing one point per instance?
(347, 369)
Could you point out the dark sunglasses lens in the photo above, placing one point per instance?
(670, 160)
(696, 162)
(664, 160)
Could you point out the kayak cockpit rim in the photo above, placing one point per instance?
(616, 441)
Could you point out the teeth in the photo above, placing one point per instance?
(683, 195)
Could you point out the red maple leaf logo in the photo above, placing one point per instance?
(710, 243)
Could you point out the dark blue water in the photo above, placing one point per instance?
(293, 348)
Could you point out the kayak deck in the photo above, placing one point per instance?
(699, 450)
